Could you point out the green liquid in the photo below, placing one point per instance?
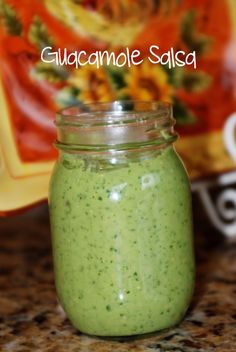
(122, 244)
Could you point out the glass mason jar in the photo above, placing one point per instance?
(120, 209)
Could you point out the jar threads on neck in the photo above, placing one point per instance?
(115, 126)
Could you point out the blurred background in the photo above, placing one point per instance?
(204, 99)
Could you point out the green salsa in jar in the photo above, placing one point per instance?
(120, 209)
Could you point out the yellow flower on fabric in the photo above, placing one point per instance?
(147, 82)
(92, 83)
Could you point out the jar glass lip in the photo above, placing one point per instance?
(115, 112)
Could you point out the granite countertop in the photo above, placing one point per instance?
(31, 319)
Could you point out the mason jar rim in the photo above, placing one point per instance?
(114, 112)
(115, 126)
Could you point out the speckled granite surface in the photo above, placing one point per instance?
(31, 320)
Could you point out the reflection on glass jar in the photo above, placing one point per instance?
(120, 209)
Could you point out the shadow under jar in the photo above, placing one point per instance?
(120, 209)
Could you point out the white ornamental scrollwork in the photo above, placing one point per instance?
(222, 212)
